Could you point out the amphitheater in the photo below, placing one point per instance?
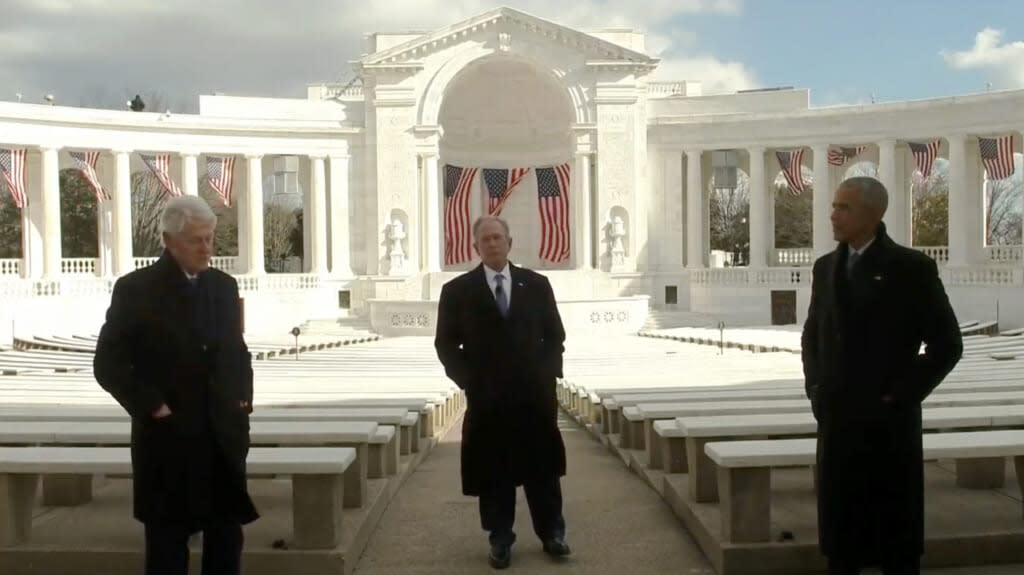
(690, 440)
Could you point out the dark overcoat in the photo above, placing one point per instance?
(508, 368)
(165, 341)
(862, 342)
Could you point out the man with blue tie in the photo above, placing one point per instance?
(500, 338)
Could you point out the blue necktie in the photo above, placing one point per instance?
(499, 295)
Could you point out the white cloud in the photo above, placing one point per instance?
(81, 49)
(1005, 60)
(716, 76)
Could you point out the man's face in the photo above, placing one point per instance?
(193, 247)
(492, 245)
(851, 218)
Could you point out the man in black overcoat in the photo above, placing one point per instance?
(873, 303)
(500, 338)
(172, 354)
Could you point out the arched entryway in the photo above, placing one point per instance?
(508, 113)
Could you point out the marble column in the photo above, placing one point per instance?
(121, 202)
(584, 247)
(254, 216)
(890, 174)
(189, 174)
(694, 210)
(432, 201)
(341, 230)
(672, 252)
(317, 218)
(958, 190)
(758, 209)
(51, 214)
(822, 211)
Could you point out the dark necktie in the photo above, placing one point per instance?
(851, 260)
(499, 295)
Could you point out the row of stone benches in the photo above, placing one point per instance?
(67, 445)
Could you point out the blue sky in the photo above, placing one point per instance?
(98, 52)
(845, 51)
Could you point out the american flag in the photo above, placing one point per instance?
(85, 162)
(553, 197)
(160, 165)
(220, 172)
(839, 156)
(924, 156)
(792, 163)
(12, 165)
(997, 156)
(458, 239)
(500, 183)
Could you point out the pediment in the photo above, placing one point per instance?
(597, 51)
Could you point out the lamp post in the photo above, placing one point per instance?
(295, 332)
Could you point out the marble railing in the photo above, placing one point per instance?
(78, 266)
(278, 282)
(10, 267)
(1003, 254)
(88, 286)
(794, 257)
(227, 264)
(741, 277)
(938, 253)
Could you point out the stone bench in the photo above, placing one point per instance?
(407, 422)
(638, 419)
(317, 484)
(75, 490)
(744, 471)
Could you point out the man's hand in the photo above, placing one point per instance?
(245, 406)
(161, 413)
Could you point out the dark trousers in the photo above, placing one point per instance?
(906, 567)
(498, 510)
(167, 549)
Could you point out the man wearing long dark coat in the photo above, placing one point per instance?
(500, 338)
(873, 303)
(172, 354)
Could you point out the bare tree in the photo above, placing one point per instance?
(1003, 208)
(148, 199)
(729, 211)
(931, 207)
(10, 225)
(794, 213)
(279, 223)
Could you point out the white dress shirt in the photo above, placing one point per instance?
(862, 249)
(506, 283)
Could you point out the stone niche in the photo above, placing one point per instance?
(615, 239)
(395, 244)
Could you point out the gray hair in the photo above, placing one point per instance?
(484, 219)
(872, 193)
(179, 211)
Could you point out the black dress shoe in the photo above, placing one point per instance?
(557, 547)
(501, 555)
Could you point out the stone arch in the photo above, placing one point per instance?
(429, 108)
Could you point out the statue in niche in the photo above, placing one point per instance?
(618, 249)
(397, 255)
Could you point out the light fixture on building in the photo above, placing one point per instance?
(724, 163)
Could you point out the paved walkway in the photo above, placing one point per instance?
(615, 523)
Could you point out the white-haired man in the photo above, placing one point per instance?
(172, 354)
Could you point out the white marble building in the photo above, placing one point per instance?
(504, 90)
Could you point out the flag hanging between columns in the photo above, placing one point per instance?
(839, 156)
(220, 172)
(160, 165)
(997, 156)
(553, 199)
(85, 162)
(792, 163)
(500, 183)
(924, 156)
(12, 165)
(457, 233)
